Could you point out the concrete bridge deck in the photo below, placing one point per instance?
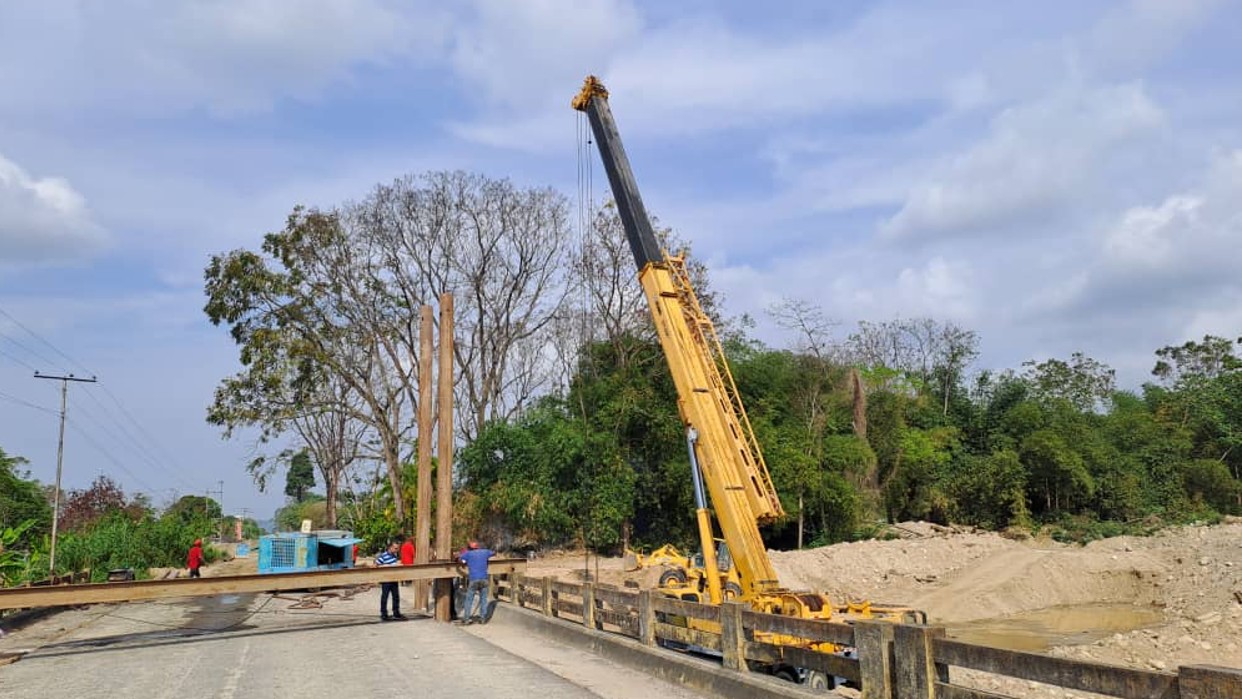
(256, 646)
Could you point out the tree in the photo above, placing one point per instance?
(501, 251)
(300, 477)
(929, 352)
(189, 508)
(84, 508)
(607, 303)
(1196, 361)
(1055, 470)
(21, 502)
(1203, 393)
(332, 433)
(309, 313)
(1082, 382)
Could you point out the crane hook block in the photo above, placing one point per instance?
(591, 88)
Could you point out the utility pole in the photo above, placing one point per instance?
(221, 510)
(60, 457)
(219, 501)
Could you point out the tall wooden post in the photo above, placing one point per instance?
(422, 526)
(444, 452)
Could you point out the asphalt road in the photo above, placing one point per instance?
(248, 647)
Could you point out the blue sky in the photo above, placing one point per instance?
(1059, 176)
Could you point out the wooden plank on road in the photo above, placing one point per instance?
(97, 593)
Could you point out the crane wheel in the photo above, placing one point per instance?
(818, 680)
(673, 577)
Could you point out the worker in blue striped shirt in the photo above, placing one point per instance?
(390, 589)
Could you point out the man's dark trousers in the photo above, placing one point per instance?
(390, 589)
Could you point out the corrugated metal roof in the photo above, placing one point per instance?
(340, 542)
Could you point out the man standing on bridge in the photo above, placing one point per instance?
(195, 560)
(475, 559)
(390, 589)
(407, 554)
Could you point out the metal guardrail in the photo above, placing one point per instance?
(894, 661)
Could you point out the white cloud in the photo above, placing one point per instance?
(147, 57)
(1037, 159)
(940, 288)
(43, 219)
(1156, 274)
(1191, 236)
(512, 52)
(698, 74)
(1143, 237)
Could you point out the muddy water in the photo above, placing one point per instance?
(1056, 626)
(220, 613)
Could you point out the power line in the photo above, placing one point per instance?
(17, 359)
(108, 455)
(163, 453)
(138, 449)
(143, 451)
(38, 337)
(32, 406)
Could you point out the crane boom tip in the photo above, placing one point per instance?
(591, 88)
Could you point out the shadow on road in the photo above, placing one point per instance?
(171, 637)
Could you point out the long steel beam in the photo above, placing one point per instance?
(96, 593)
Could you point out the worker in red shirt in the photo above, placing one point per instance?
(407, 554)
(195, 560)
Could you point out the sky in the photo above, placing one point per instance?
(1058, 176)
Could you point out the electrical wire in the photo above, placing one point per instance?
(38, 337)
(26, 348)
(18, 359)
(144, 451)
(163, 453)
(32, 406)
(137, 447)
(108, 455)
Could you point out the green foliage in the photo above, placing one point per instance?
(301, 476)
(312, 507)
(1082, 382)
(191, 508)
(19, 562)
(117, 540)
(548, 479)
(916, 490)
(1052, 447)
(1056, 474)
(989, 491)
(22, 504)
(250, 529)
(1209, 482)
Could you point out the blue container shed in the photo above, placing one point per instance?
(297, 552)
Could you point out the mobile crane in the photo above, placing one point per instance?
(726, 463)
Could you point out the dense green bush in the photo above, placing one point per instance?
(119, 541)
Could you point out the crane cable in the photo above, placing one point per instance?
(586, 288)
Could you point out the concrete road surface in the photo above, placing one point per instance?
(252, 647)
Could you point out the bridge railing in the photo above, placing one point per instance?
(891, 661)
